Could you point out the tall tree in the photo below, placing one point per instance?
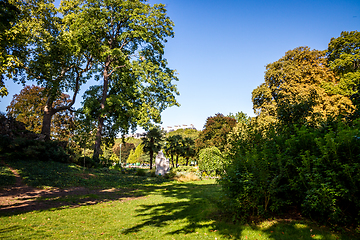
(125, 150)
(240, 117)
(191, 133)
(152, 142)
(188, 149)
(28, 107)
(51, 57)
(215, 132)
(293, 91)
(343, 55)
(9, 14)
(130, 36)
(173, 147)
(135, 155)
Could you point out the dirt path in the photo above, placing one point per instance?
(23, 198)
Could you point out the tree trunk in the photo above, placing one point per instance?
(172, 160)
(151, 158)
(46, 124)
(187, 161)
(97, 147)
(177, 158)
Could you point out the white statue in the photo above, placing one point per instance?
(162, 164)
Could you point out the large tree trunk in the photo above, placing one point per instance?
(49, 111)
(46, 125)
(97, 147)
(177, 158)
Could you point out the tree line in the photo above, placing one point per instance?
(119, 43)
(299, 153)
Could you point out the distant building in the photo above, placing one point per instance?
(167, 130)
(176, 127)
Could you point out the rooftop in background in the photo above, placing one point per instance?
(167, 130)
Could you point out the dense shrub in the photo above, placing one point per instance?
(21, 148)
(313, 168)
(210, 161)
(19, 143)
(185, 169)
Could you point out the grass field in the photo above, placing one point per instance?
(134, 207)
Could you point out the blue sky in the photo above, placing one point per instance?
(221, 48)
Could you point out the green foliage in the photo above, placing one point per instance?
(9, 15)
(188, 145)
(21, 148)
(48, 56)
(211, 161)
(127, 38)
(28, 107)
(185, 169)
(240, 117)
(174, 147)
(190, 133)
(311, 168)
(215, 132)
(343, 56)
(152, 142)
(135, 156)
(294, 91)
(125, 150)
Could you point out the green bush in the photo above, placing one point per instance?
(185, 169)
(140, 172)
(313, 168)
(211, 161)
(22, 148)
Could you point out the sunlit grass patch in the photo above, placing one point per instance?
(7, 178)
(124, 206)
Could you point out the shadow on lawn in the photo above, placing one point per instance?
(26, 199)
(196, 204)
(70, 187)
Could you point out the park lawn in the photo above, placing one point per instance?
(152, 208)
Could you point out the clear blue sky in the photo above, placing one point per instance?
(221, 48)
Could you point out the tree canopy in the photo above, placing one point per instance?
(28, 107)
(9, 14)
(343, 55)
(152, 142)
(126, 36)
(294, 91)
(48, 55)
(215, 132)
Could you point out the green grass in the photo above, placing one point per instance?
(7, 178)
(150, 208)
(53, 174)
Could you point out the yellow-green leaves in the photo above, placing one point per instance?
(293, 89)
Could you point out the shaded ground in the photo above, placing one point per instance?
(23, 198)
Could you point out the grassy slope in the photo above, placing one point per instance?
(161, 210)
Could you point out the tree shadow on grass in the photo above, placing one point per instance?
(28, 199)
(192, 207)
(67, 186)
(7, 233)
